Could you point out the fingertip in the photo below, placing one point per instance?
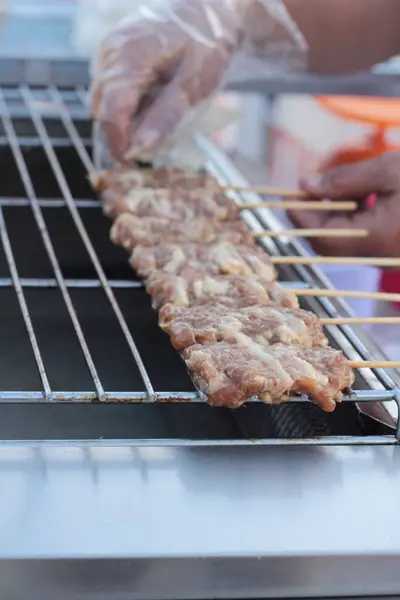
(144, 141)
(305, 219)
(311, 182)
(118, 140)
(161, 119)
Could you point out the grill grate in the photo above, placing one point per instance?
(68, 200)
(35, 108)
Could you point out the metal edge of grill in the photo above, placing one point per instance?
(381, 387)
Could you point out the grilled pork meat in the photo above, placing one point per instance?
(177, 204)
(229, 374)
(123, 180)
(214, 259)
(192, 288)
(265, 325)
(130, 231)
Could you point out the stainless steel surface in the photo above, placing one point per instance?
(365, 84)
(120, 522)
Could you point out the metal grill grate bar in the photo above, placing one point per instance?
(361, 397)
(96, 283)
(63, 184)
(6, 282)
(37, 212)
(50, 203)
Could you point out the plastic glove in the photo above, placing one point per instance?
(162, 63)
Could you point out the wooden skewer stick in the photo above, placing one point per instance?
(326, 293)
(335, 260)
(265, 190)
(374, 364)
(310, 233)
(362, 321)
(298, 205)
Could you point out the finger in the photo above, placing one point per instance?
(113, 102)
(115, 112)
(337, 246)
(307, 219)
(95, 97)
(130, 68)
(196, 79)
(118, 138)
(378, 175)
(159, 121)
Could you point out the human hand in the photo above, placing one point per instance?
(158, 65)
(380, 176)
(179, 51)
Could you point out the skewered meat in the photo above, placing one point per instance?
(130, 231)
(192, 288)
(122, 180)
(230, 374)
(215, 259)
(172, 203)
(240, 357)
(264, 324)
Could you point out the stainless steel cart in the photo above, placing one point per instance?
(116, 481)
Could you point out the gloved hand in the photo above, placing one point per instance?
(380, 176)
(167, 58)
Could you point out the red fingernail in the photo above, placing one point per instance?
(371, 201)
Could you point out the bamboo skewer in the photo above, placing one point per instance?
(298, 205)
(374, 364)
(335, 260)
(362, 321)
(327, 293)
(265, 190)
(310, 233)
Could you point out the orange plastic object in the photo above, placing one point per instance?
(381, 112)
(374, 145)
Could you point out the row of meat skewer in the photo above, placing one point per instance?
(240, 333)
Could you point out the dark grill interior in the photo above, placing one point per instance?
(23, 416)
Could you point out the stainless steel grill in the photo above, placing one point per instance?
(46, 212)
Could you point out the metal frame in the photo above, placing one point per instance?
(74, 71)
